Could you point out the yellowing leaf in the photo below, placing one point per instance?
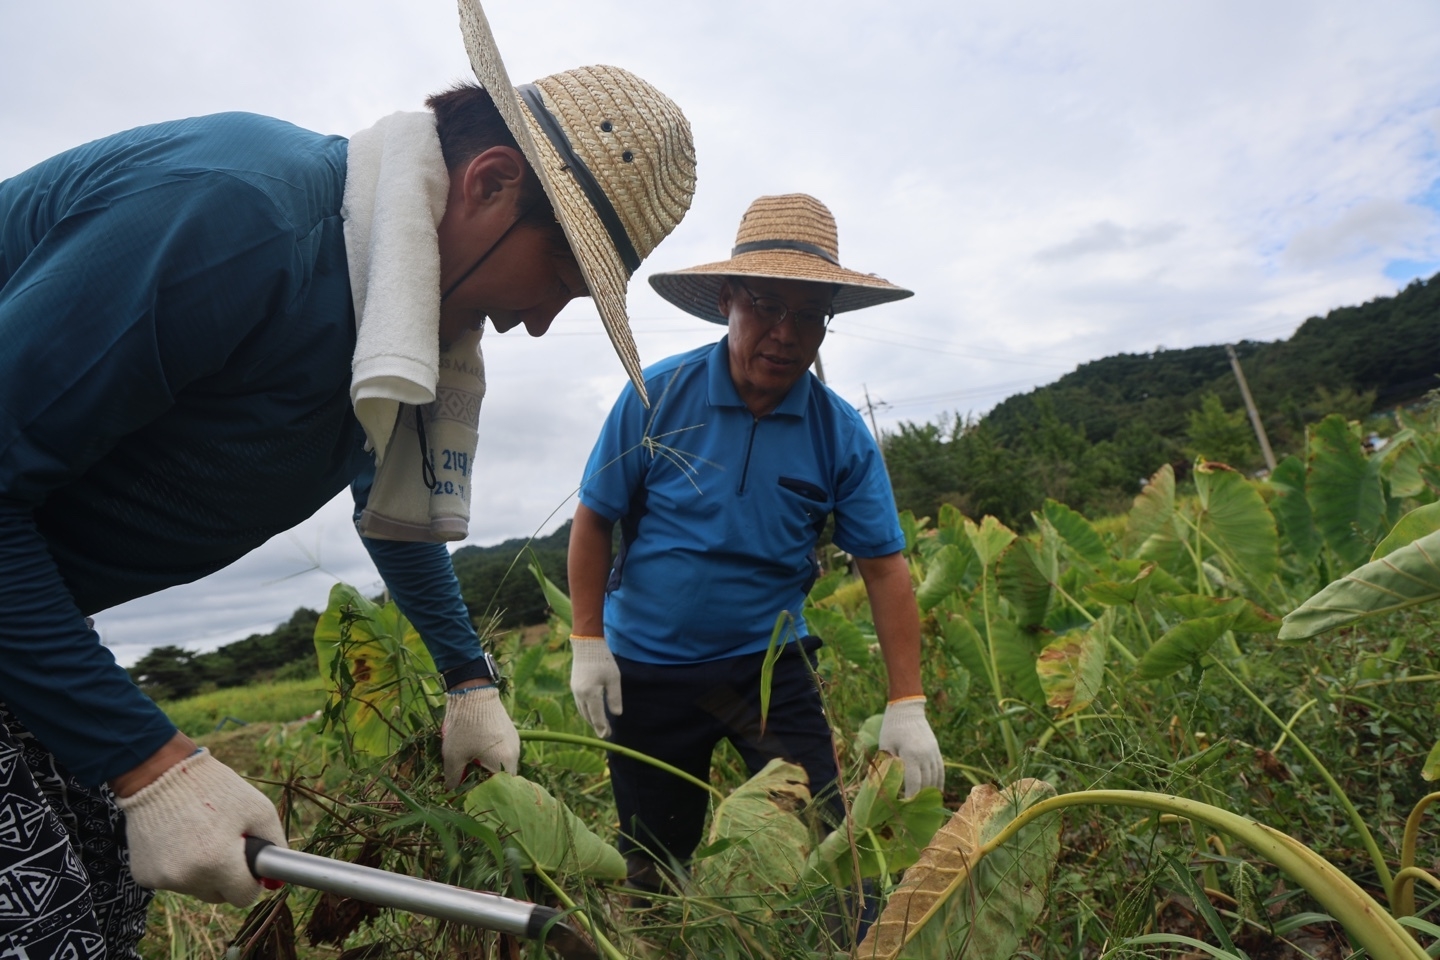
(768, 841)
(1072, 667)
(388, 681)
(958, 902)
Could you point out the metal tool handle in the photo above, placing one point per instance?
(441, 900)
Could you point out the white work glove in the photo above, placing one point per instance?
(905, 732)
(595, 681)
(187, 831)
(477, 730)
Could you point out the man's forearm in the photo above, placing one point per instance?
(588, 565)
(897, 621)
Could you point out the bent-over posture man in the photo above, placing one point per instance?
(181, 306)
(721, 489)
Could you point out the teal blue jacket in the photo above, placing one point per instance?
(176, 332)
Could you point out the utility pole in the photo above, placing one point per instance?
(1250, 408)
(870, 407)
(819, 367)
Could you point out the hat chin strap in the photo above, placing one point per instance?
(755, 246)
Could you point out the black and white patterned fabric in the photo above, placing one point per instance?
(65, 885)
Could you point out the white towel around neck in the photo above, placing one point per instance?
(396, 185)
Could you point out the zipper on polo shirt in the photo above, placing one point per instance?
(745, 470)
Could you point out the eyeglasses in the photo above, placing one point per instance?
(772, 311)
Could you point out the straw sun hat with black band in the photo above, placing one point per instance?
(789, 237)
(614, 156)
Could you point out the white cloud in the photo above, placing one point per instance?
(1056, 181)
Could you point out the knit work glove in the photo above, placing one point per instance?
(905, 733)
(595, 681)
(187, 831)
(477, 730)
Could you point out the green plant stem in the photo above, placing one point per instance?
(1382, 869)
(1406, 887)
(1364, 919)
(1007, 730)
(1402, 901)
(554, 736)
(1419, 678)
(1072, 601)
(1293, 718)
(605, 945)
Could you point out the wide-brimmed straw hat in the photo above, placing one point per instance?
(613, 154)
(789, 237)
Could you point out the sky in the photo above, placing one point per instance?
(1057, 182)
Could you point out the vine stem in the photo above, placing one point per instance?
(1402, 901)
(1363, 918)
(1382, 869)
(605, 945)
(576, 739)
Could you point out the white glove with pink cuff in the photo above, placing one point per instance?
(906, 733)
(187, 830)
(595, 681)
(477, 730)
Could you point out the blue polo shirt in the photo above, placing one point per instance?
(720, 512)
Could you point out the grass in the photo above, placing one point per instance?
(277, 702)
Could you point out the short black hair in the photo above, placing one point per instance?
(468, 124)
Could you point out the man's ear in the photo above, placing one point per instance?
(724, 299)
(494, 174)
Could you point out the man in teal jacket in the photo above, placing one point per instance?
(176, 337)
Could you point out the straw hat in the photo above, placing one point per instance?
(789, 237)
(613, 154)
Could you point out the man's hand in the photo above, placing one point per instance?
(906, 733)
(477, 730)
(187, 828)
(595, 681)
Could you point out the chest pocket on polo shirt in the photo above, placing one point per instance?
(812, 503)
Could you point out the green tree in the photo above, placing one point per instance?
(1219, 434)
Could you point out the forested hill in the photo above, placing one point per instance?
(1389, 347)
(1088, 437)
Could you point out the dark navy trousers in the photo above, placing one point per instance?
(680, 713)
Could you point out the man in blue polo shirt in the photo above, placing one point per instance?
(722, 488)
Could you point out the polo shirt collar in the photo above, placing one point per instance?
(721, 390)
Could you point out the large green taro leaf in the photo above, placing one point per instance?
(1235, 523)
(989, 539)
(944, 573)
(1344, 490)
(956, 902)
(1408, 576)
(763, 842)
(1291, 510)
(1024, 580)
(378, 661)
(1411, 527)
(1182, 645)
(542, 829)
(839, 633)
(889, 830)
(1153, 511)
(1077, 533)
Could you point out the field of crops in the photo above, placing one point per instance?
(1143, 691)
